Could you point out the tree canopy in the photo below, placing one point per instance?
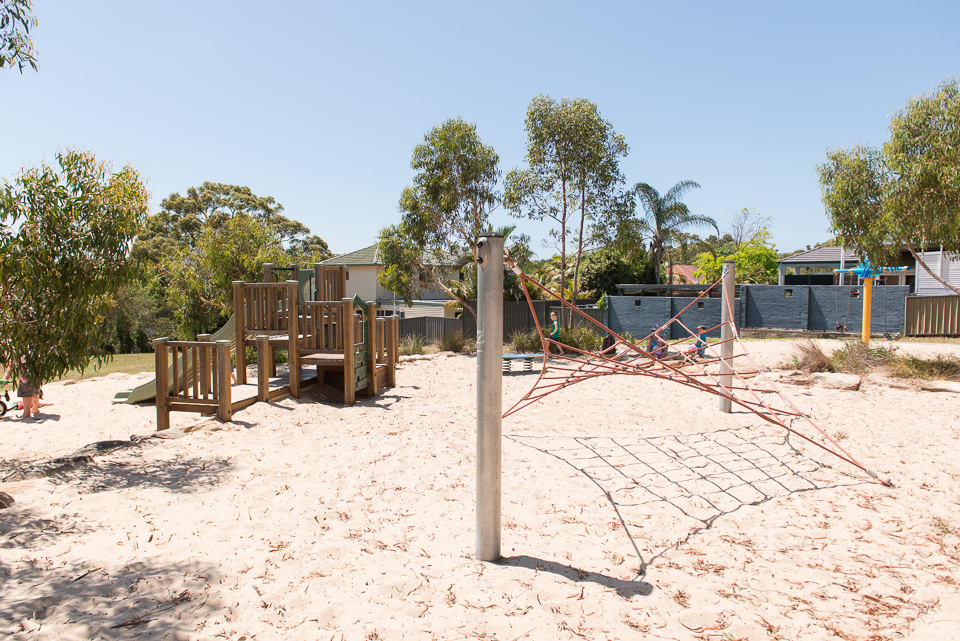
(908, 193)
(443, 213)
(65, 234)
(666, 216)
(573, 176)
(16, 21)
(200, 242)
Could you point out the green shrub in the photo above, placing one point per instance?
(412, 345)
(524, 343)
(457, 342)
(853, 358)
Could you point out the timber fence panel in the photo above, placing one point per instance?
(932, 315)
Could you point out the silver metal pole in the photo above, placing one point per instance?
(726, 334)
(489, 393)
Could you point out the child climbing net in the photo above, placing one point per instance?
(690, 362)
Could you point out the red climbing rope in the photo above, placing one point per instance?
(686, 367)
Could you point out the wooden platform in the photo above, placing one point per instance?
(278, 386)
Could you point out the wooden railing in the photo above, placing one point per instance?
(932, 316)
(329, 283)
(320, 325)
(198, 381)
(261, 309)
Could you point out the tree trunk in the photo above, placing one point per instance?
(576, 267)
(927, 269)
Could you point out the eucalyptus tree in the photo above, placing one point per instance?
(16, 21)
(209, 236)
(573, 176)
(906, 194)
(443, 213)
(666, 216)
(65, 234)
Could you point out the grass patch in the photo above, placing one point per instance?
(124, 363)
(412, 345)
(944, 368)
(457, 342)
(856, 358)
(582, 338)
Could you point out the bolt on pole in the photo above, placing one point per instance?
(489, 393)
(726, 332)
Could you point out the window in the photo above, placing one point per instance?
(636, 302)
(699, 304)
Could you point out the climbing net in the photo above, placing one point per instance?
(689, 360)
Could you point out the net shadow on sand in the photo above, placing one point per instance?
(666, 489)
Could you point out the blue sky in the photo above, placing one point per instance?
(321, 104)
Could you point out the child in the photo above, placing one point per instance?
(28, 392)
(554, 333)
(701, 345)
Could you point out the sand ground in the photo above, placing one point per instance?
(632, 509)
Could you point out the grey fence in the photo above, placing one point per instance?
(817, 308)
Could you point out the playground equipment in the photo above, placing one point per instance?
(350, 347)
(712, 372)
(867, 272)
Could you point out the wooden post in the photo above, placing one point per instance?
(392, 349)
(203, 374)
(224, 398)
(293, 333)
(349, 373)
(263, 377)
(371, 321)
(268, 272)
(163, 390)
(239, 332)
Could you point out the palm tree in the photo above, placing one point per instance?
(665, 217)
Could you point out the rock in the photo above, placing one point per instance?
(940, 386)
(5, 500)
(829, 380)
(794, 378)
(70, 382)
(168, 434)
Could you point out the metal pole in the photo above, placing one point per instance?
(867, 303)
(726, 333)
(489, 393)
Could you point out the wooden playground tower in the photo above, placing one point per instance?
(342, 338)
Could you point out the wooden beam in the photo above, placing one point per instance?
(163, 390)
(263, 377)
(349, 374)
(239, 332)
(224, 391)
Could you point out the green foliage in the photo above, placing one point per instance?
(524, 343)
(573, 177)
(941, 367)
(16, 21)
(908, 193)
(443, 213)
(584, 338)
(756, 262)
(604, 269)
(199, 243)
(666, 216)
(65, 233)
(456, 341)
(130, 320)
(411, 345)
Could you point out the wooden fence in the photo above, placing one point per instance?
(198, 381)
(932, 316)
(516, 318)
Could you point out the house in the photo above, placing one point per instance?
(815, 267)
(683, 274)
(363, 268)
(946, 265)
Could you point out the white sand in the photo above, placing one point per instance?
(304, 520)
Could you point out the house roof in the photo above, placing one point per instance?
(686, 272)
(821, 255)
(365, 256)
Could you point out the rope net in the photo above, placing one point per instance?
(689, 360)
